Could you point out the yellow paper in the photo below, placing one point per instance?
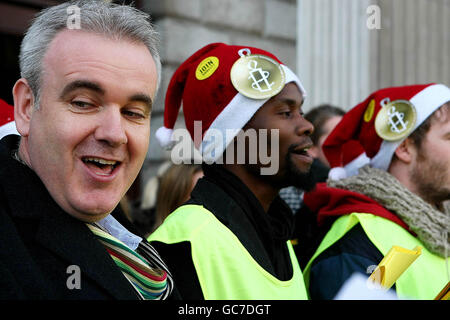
(394, 263)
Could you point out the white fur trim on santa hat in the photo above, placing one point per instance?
(164, 137)
(233, 118)
(8, 128)
(337, 173)
(426, 102)
(353, 166)
(350, 169)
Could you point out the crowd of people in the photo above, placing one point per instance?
(347, 186)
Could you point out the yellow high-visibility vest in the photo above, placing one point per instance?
(224, 267)
(426, 276)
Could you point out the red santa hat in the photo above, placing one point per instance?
(7, 123)
(215, 87)
(373, 129)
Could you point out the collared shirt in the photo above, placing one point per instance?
(118, 231)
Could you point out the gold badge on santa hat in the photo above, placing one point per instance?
(257, 76)
(396, 120)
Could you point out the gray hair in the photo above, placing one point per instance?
(107, 19)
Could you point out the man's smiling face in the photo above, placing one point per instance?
(89, 137)
(283, 113)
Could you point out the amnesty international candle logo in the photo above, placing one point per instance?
(257, 76)
(396, 120)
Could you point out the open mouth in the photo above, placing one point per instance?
(301, 151)
(101, 166)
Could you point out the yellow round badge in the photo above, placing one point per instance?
(257, 76)
(206, 68)
(368, 114)
(396, 120)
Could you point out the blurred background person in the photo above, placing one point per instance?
(163, 193)
(175, 189)
(306, 236)
(143, 211)
(324, 118)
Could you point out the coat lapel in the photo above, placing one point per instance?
(73, 241)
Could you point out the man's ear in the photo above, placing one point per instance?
(405, 151)
(23, 106)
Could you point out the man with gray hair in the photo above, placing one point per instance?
(90, 72)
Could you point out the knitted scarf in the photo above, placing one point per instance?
(431, 225)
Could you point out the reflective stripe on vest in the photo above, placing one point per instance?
(225, 269)
(424, 279)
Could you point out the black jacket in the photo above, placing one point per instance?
(39, 242)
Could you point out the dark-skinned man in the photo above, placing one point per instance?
(242, 108)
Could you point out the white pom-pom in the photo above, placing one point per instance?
(164, 137)
(337, 173)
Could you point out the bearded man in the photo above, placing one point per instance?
(231, 240)
(397, 198)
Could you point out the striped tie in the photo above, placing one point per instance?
(150, 283)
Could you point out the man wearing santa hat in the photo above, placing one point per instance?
(388, 185)
(231, 239)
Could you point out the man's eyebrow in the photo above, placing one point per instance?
(144, 98)
(289, 101)
(93, 86)
(82, 84)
